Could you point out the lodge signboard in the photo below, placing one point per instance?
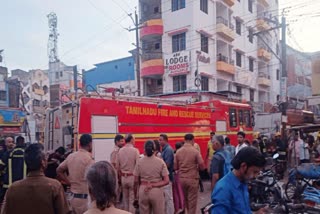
(178, 62)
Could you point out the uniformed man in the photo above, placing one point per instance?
(77, 164)
(13, 160)
(127, 159)
(118, 144)
(152, 174)
(188, 162)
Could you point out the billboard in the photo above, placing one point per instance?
(10, 117)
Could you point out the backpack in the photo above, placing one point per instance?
(227, 162)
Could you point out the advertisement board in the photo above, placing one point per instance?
(178, 62)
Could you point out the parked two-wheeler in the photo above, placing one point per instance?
(266, 190)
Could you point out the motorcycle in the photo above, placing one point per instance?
(266, 190)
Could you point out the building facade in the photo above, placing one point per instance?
(299, 66)
(210, 46)
(35, 92)
(116, 73)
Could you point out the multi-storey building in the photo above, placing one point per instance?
(35, 98)
(210, 46)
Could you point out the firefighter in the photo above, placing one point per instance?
(152, 174)
(127, 159)
(13, 162)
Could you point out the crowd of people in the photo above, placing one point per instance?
(163, 180)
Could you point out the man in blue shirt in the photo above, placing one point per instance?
(230, 194)
(167, 156)
(220, 158)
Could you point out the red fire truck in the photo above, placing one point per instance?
(146, 118)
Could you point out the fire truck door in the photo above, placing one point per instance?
(103, 129)
(221, 127)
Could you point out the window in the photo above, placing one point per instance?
(251, 62)
(239, 89)
(3, 95)
(233, 117)
(204, 44)
(251, 95)
(178, 4)
(180, 83)
(250, 37)
(277, 49)
(57, 75)
(250, 4)
(247, 118)
(159, 82)
(116, 67)
(238, 59)
(278, 74)
(204, 6)
(238, 27)
(179, 42)
(157, 46)
(204, 84)
(61, 74)
(36, 102)
(156, 10)
(240, 117)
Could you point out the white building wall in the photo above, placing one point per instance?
(193, 21)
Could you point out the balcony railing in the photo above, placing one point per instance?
(263, 75)
(151, 55)
(150, 16)
(225, 59)
(221, 20)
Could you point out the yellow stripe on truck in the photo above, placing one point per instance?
(155, 135)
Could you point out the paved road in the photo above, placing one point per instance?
(205, 196)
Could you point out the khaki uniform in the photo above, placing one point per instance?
(113, 161)
(110, 210)
(126, 161)
(151, 169)
(36, 194)
(186, 161)
(77, 163)
(113, 156)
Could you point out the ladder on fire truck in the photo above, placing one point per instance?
(51, 129)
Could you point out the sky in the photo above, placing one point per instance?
(93, 31)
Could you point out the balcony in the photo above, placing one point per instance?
(229, 2)
(154, 67)
(152, 27)
(264, 80)
(265, 3)
(224, 64)
(262, 24)
(151, 55)
(264, 54)
(225, 29)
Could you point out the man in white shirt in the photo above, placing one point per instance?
(241, 144)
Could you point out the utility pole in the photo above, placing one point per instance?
(137, 54)
(283, 60)
(284, 77)
(75, 82)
